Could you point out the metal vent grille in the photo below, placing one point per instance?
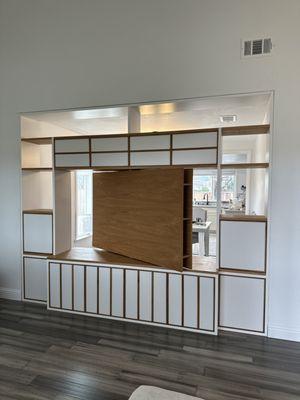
(228, 118)
(257, 47)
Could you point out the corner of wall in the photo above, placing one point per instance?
(284, 333)
(10, 294)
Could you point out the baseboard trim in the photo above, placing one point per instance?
(280, 332)
(10, 294)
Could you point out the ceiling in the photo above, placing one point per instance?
(185, 114)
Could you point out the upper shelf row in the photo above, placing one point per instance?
(180, 148)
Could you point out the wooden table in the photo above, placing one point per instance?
(203, 228)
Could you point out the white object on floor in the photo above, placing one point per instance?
(155, 393)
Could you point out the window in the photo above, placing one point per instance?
(84, 195)
(207, 184)
(228, 187)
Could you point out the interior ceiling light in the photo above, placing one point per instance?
(99, 113)
(228, 118)
(164, 108)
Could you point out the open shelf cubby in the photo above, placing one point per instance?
(36, 154)
(187, 217)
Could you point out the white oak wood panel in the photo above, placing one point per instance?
(104, 290)
(190, 299)
(54, 277)
(131, 295)
(243, 245)
(37, 233)
(189, 157)
(35, 279)
(175, 299)
(71, 145)
(109, 159)
(206, 303)
(241, 303)
(145, 297)
(66, 286)
(150, 142)
(72, 160)
(150, 158)
(91, 289)
(160, 297)
(109, 144)
(117, 287)
(78, 287)
(63, 211)
(189, 140)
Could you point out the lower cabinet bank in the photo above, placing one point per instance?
(187, 300)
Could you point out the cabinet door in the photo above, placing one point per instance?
(109, 144)
(104, 290)
(242, 303)
(72, 160)
(37, 230)
(117, 297)
(131, 294)
(154, 142)
(207, 303)
(149, 158)
(35, 279)
(175, 299)
(109, 159)
(195, 140)
(66, 286)
(91, 289)
(79, 289)
(54, 285)
(243, 245)
(160, 297)
(189, 157)
(191, 300)
(145, 297)
(71, 145)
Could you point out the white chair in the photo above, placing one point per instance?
(199, 214)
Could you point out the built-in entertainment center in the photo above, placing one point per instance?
(141, 267)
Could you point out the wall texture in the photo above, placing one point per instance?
(72, 53)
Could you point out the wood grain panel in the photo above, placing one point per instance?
(139, 214)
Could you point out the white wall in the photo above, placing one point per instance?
(72, 53)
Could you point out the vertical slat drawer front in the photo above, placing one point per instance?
(104, 290)
(91, 289)
(145, 296)
(34, 224)
(35, 278)
(131, 297)
(117, 297)
(190, 299)
(54, 285)
(79, 287)
(207, 303)
(66, 286)
(159, 297)
(175, 299)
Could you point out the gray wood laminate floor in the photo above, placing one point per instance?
(50, 355)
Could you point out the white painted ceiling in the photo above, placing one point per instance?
(185, 114)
